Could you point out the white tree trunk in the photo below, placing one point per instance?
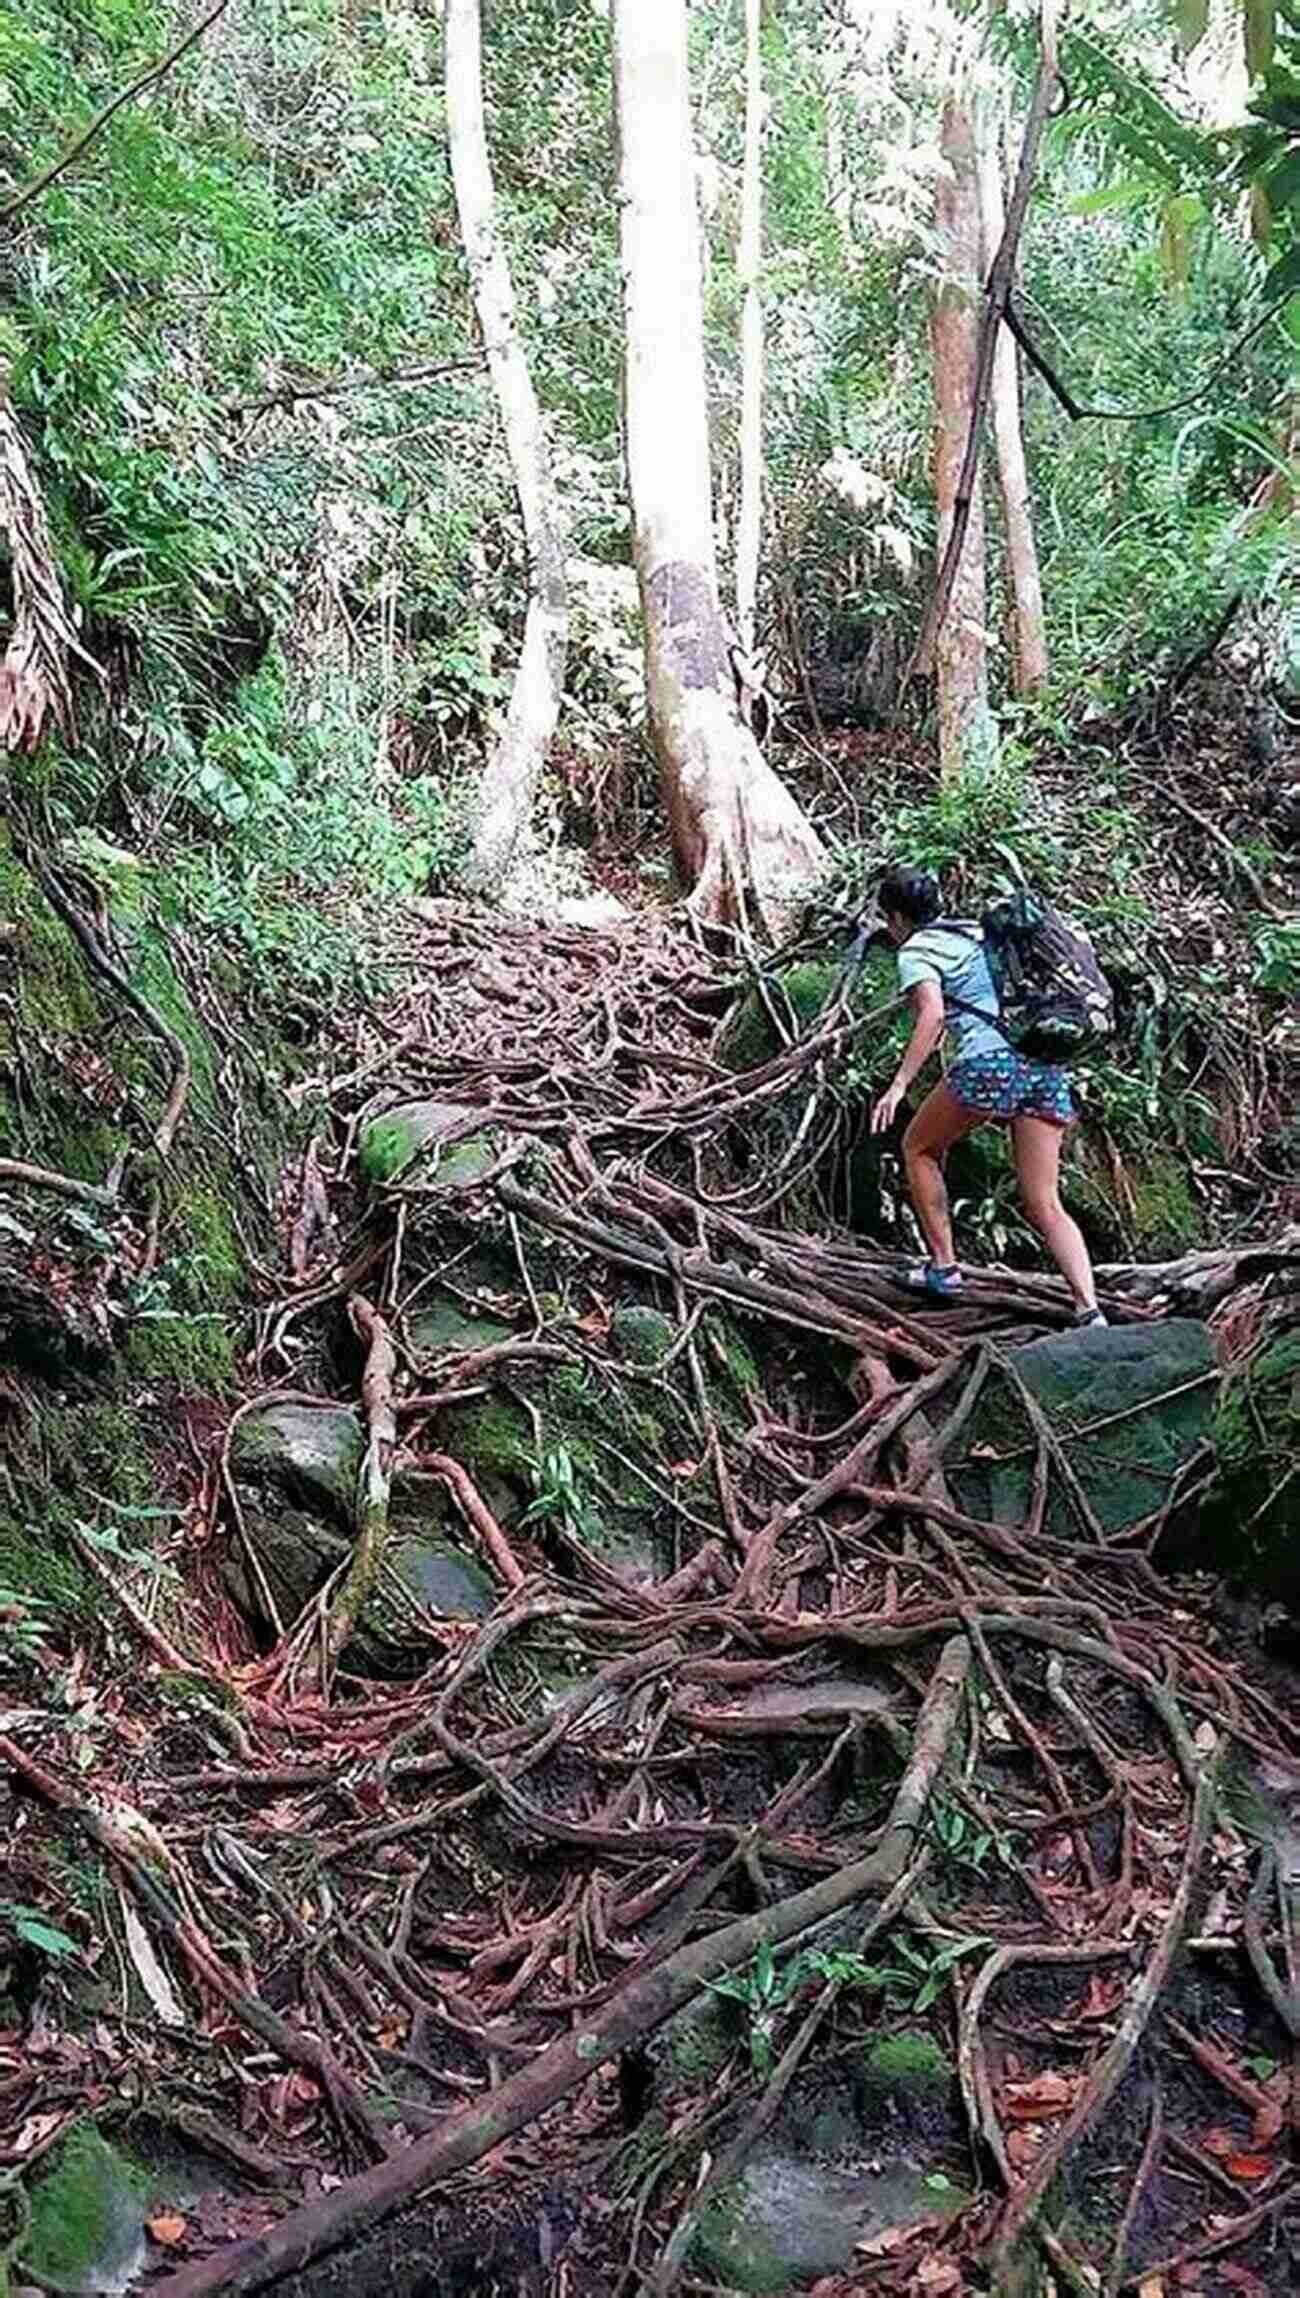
(966, 735)
(1028, 640)
(511, 776)
(749, 524)
(734, 824)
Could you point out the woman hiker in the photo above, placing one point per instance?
(943, 968)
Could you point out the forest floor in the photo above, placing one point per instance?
(768, 1738)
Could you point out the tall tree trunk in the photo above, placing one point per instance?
(966, 735)
(1028, 641)
(734, 825)
(749, 524)
(510, 778)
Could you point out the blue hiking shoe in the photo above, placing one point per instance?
(936, 1283)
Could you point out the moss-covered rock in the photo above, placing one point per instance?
(1130, 1404)
(312, 1451)
(789, 2220)
(904, 2067)
(797, 995)
(392, 1143)
(86, 2233)
(447, 1324)
(442, 1577)
(641, 1335)
(1247, 1524)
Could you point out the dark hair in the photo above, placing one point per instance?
(910, 894)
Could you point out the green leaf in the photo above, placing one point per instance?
(764, 1968)
(1130, 191)
(30, 1926)
(1192, 16)
(937, 2182)
(1261, 28)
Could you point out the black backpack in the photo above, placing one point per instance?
(1054, 1000)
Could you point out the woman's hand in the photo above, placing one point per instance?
(886, 1109)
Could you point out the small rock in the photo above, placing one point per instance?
(313, 1452)
(592, 910)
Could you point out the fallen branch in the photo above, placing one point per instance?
(634, 2012)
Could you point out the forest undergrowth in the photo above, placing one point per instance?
(840, 1754)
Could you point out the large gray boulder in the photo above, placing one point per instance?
(1130, 1405)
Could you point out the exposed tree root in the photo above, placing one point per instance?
(635, 2011)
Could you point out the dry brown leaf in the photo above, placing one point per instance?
(938, 2277)
(1045, 2094)
(1248, 2165)
(1024, 2144)
(168, 2227)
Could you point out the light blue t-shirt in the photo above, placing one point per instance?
(951, 952)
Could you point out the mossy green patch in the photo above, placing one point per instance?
(906, 2061)
(641, 1335)
(794, 998)
(1247, 1523)
(700, 2040)
(87, 2224)
(393, 1142)
(730, 2249)
(1130, 1405)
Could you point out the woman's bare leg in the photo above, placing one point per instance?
(1037, 1145)
(940, 1120)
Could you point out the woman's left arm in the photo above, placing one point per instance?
(927, 1030)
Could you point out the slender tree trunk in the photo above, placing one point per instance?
(751, 335)
(1029, 643)
(734, 825)
(965, 727)
(510, 778)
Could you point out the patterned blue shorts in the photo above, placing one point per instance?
(1010, 1085)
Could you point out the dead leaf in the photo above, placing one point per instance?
(1045, 2094)
(1152, 2287)
(1248, 2165)
(148, 1967)
(1024, 2144)
(936, 2276)
(168, 2227)
(884, 2244)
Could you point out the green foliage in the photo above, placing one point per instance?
(29, 1926)
(557, 1498)
(915, 1976)
(964, 1842)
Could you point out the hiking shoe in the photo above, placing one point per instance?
(1086, 1319)
(938, 1284)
